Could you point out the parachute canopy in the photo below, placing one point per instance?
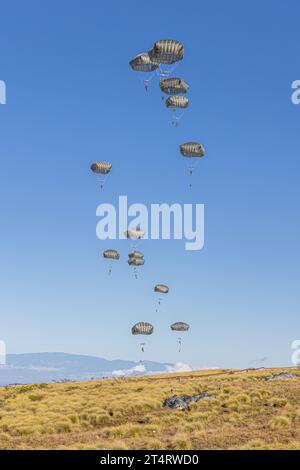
(135, 233)
(177, 101)
(161, 288)
(143, 63)
(111, 254)
(101, 167)
(180, 326)
(136, 254)
(142, 328)
(173, 86)
(192, 149)
(132, 261)
(167, 51)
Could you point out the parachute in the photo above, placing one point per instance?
(177, 101)
(135, 233)
(143, 63)
(193, 151)
(103, 169)
(167, 51)
(180, 326)
(136, 254)
(160, 289)
(142, 328)
(111, 254)
(173, 86)
(135, 259)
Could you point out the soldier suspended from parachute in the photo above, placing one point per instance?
(160, 289)
(142, 328)
(111, 255)
(143, 63)
(175, 102)
(180, 326)
(102, 169)
(193, 151)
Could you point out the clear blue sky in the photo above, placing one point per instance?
(73, 99)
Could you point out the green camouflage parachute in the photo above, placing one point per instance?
(192, 149)
(167, 51)
(173, 86)
(142, 328)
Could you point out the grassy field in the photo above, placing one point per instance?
(248, 413)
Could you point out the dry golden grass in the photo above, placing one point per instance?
(248, 413)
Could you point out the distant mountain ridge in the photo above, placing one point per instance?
(58, 366)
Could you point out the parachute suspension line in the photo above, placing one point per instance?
(192, 166)
(146, 81)
(103, 180)
(166, 72)
(158, 305)
(176, 118)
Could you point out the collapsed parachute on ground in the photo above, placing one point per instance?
(167, 51)
(161, 289)
(142, 328)
(173, 86)
(192, 149)
(180, 326)
(143, 63)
